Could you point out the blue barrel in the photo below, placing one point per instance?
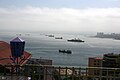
(17, 47)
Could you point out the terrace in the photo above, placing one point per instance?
(40, 72)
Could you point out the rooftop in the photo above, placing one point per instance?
(97, 58)
(5, 55)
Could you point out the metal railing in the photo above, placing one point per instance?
(38, 72)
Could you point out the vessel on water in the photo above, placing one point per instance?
(75, 40)
(50, 35)
(58, 37)
(65, 51)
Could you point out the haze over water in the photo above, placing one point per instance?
(41, 46)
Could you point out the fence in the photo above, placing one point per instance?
(39, 72)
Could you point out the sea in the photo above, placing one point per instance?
(44, 47)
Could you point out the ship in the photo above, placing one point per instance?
(65, 51)
(50, 35)
(58, 38)
(75, 40)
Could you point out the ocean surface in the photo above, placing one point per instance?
(42, 46)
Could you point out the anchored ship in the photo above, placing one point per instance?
(75, 40)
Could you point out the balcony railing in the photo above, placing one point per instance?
(38, 72)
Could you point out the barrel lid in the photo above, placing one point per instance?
(17, 39)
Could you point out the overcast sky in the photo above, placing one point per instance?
(60, 15)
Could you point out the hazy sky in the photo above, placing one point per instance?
(60, 15)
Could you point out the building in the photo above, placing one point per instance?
(40, 61)
(111, 60)
(93, 64)
(107, 66)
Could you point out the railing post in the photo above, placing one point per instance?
(107, 74)
(79, 73)
(86, 73)
(100, 73)
(73, 70)
(114, 74)
(12, 71)
(5, 70)
(59, 73)
(66, 72)
(45, 68)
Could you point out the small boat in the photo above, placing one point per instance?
(50, 35)
(65, 51)
(58, 38)
(75, 40)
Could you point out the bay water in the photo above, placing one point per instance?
(44, 47)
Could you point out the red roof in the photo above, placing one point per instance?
(5, 54)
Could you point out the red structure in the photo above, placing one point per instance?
(6, 56)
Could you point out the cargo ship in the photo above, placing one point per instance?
(75, 40)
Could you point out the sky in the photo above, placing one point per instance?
(60, 15)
